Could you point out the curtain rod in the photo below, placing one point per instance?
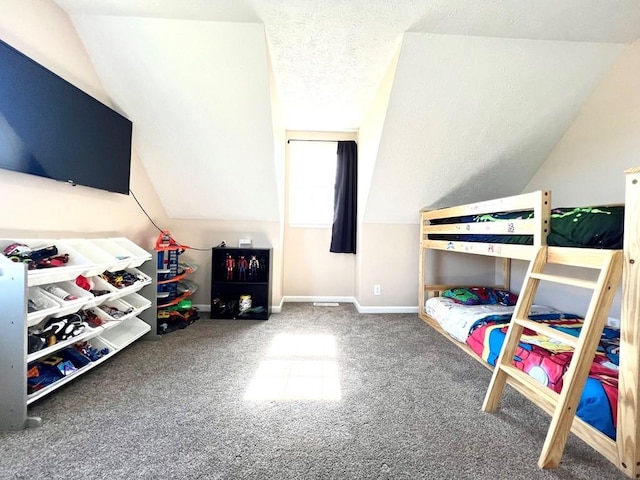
(316, 140)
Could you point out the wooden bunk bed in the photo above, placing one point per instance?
(624, 451)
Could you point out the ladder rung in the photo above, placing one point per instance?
(547, 331)
(538, 393)
(565, 280)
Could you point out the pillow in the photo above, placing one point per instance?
(481, 296)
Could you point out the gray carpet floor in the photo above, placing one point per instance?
(407, 407)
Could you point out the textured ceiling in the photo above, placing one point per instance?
(491, 83)
(330, 55)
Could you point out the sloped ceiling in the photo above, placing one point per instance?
(486, 86)
(198, 95)
(472, 118)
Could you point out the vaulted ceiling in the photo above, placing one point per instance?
(481, 93)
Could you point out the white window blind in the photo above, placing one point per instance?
(312, 176)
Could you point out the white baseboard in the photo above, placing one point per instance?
(384, 309)
(360, 308)
(203, 308)
(312, 299)
(277, 308)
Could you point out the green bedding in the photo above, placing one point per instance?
(586, 227)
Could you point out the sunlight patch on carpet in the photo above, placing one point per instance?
(297, 367)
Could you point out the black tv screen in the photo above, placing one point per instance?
(50, 128)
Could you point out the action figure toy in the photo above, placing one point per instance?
(231, 265)
(242, 268)
(254, 265)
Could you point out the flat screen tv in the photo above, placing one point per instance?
(50, 128)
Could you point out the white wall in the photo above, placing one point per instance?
(387, 253)
(37, 207)
(199, 93)
(472, 118)
(586, 167)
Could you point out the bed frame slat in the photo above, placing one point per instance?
(547, 331)
(508, 227)
(576, 282)
(506, 204)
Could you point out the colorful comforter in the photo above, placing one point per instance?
(542, 358)
(546, 360)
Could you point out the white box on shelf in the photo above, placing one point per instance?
(100, 344)
(58, 383)
(126, 332)
(68, 306)
(100, 258)
(76, 263)
(100, 284)
(143, 279)
(121, 258)
(127, 311)
(87, 333)
(244, 243)
(137, 301)
(43, 304)
(139, 255)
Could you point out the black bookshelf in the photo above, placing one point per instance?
(241, 283)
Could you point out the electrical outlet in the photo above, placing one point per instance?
(376, 289)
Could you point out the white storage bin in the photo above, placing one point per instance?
(100, 259)
(107, 320)
(100, 284)
(137, 301)
(100, 344)
(75, 266)
(127, 311)
(121, 258)
(139, 254)
(88, 332)
(126, 332)
(69, 306)
(143, 280)
(104, 321)
(46, 305)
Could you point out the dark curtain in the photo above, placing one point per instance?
(343, 234)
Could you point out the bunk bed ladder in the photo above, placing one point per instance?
(562, 405)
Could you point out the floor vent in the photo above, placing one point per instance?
(326, 304)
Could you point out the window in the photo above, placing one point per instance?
(312, 176)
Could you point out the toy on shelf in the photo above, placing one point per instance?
(166, 242)
(177, 316)
(36, 257)
(173, 310)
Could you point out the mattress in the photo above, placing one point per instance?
(484, 329)
(458, 320)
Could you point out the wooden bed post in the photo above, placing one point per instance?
(421, 284)
(542, 212)
(628, 429)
